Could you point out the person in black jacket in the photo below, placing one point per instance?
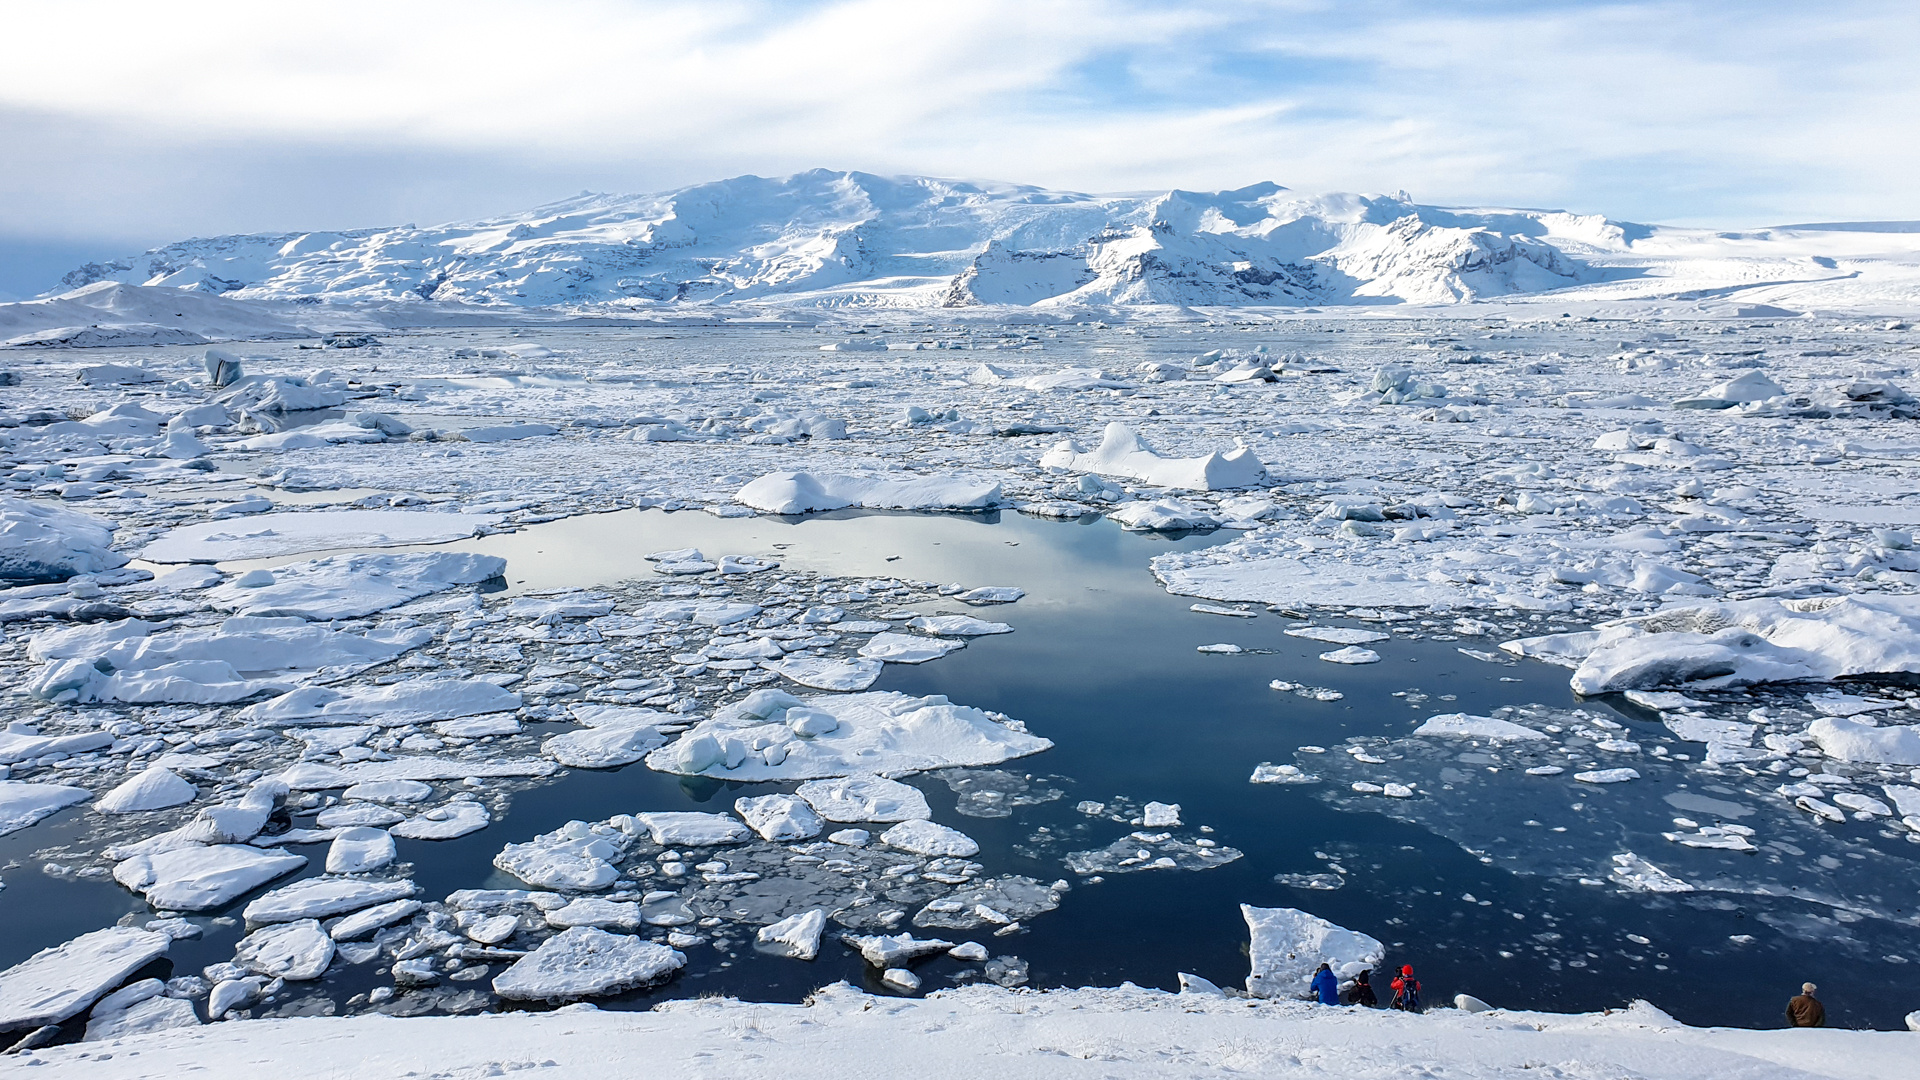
(1362, 992)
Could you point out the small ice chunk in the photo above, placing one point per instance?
(152, 789)
(448, 822)
(359, 849)
(796, 936)
(294, 951)
(928, 838)
(779, 818)
(1159, 815)
(1352, 654)
(865, 798)
(692, 829)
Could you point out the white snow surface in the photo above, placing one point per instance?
(1133, 1033)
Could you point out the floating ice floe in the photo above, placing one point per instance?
(807, 493)
(1352, 654)
(44, 542)
(268, 536)
(907, 648)
(780, 818)
(1466, 726)
(584, 962)
(57, 983)
(1162, 515)
(576, 856)
(923, 837)
(613, 736)
(129, 662)
(826, 673)
(23, 804)
(684, 827)
(1740, 643)
(323, 898)
(957, 626)
(295, 951)
(864, 798)
(138, 1009)
(349, 586)
(1851, 740)
(1337, 635)
(1123, 453)
(197, 877)
(878, 732)
(1289, 945)
(412, 701)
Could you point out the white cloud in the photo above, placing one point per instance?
(231, 115)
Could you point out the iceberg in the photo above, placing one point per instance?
(1123, 453)
(1289, 945)
(807, 493)
(41, 542)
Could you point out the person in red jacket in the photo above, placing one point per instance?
(1406, 990)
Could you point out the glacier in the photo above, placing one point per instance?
(857, 242)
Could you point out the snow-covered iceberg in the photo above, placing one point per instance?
(775, 736)
(1289, 945)
(1123, 453)
(807, 493)
(1740, 643)
(43, 542)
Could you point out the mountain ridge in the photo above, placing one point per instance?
(854, 239)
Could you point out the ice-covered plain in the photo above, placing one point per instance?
(548, 661)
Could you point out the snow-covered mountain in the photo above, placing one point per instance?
(850, 239)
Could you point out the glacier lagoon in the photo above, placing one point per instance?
(1490, 881)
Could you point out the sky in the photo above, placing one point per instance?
(127, 125)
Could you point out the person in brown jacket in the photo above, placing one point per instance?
(1806, 1010)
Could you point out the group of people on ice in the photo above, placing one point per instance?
(1803, 1011)
(1405, 990)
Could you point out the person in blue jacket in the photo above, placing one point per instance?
(1327, 985)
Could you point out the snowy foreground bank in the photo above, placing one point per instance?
(1123, 1032)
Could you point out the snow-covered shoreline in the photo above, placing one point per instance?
(1124, 1032)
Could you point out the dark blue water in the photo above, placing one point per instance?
(1104, 663)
